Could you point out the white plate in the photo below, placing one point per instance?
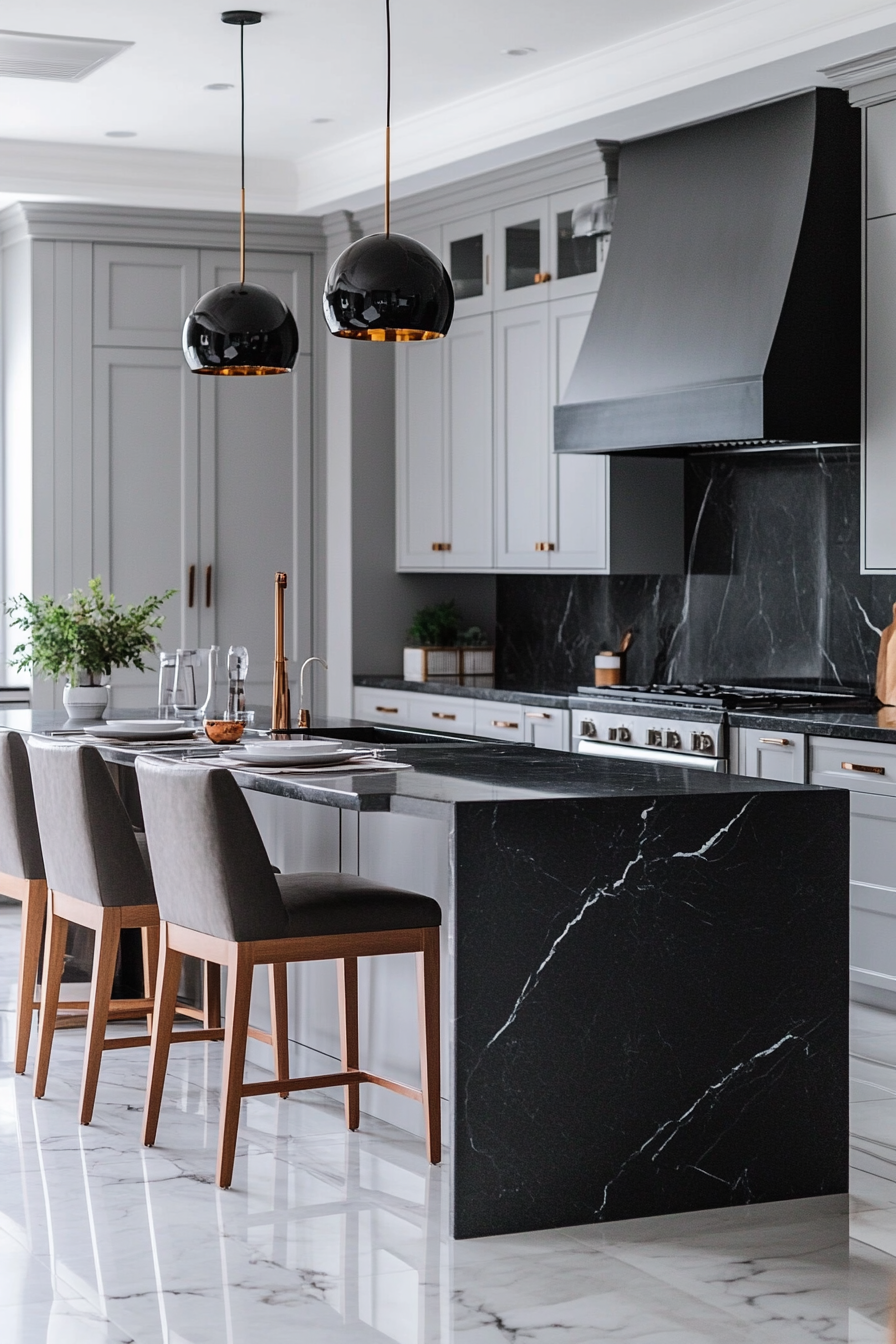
(143, 725)
(140, 734)
(244, 757)
(314, 746)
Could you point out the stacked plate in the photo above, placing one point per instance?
(141, 730)
(308, 752)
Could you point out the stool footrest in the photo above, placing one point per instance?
(328, 1080)
(124, 1042)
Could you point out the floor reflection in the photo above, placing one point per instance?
(327, 1237)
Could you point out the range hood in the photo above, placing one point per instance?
(729, 314)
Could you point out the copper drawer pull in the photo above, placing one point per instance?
(437, 715)
(544, 546)
(776, 741)
(865, 769)
(536, 714)
(441, 545)
(541, 277)
(387, 709)
(191, 585)
(503, 723)
(208, 585)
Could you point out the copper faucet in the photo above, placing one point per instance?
(280, 705)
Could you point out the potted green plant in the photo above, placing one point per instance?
(84, 640)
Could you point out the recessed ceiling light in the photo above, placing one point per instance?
(321, 121)
(216, 88)
(121, 135)
(518, 51)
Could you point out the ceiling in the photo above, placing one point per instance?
(315, 88)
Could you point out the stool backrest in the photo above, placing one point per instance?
(88, 842)
(20, 852)
(210, 866)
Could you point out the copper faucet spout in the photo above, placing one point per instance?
(280, 702)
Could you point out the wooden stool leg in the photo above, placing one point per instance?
(34, 913)
(236, 1029)
(150, 939)
(54, 960)
(211, 994)
(279, 1020)
(167, 981)
(430, 1063)
(105, 954)
(347, 974)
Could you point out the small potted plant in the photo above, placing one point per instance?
(83, 640)
(438, 647)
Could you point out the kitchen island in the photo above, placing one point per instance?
(646, 986)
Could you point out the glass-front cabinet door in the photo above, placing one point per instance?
(581, 223)
(522, 250)
(467, 254)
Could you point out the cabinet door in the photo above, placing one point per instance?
(467, 254)
(145, 482)
(448, 714)
(547, 728)
(255, 490)
(496, 718)
(420, 474)
(576, 264)
(879, 483)
(767, 755)
(522, 249)
(142, 294)
(880, 159)
(378, 706)
(580, 481)
(469, 443)
(523, 457)
(872, 889)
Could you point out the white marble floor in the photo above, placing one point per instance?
(333, 1239)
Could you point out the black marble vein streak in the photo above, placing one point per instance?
(652, 1000)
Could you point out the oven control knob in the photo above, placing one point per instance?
(654, 737)
(702, 742)
(587, 728)
(673, 740)
(624, 735)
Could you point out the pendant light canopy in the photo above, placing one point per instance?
(241, 328)
(387, 287)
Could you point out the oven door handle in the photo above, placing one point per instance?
(650, 756)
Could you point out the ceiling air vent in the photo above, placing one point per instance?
(45, 56)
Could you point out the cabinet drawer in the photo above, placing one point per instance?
(380, 706)
(547, 728)
(867, 767)
(764, 754)
(504, 722)
(441, 712)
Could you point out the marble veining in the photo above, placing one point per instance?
(772, 588)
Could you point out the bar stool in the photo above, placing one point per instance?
(219, 899)
(98, 876)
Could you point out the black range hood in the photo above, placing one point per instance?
(729, 314)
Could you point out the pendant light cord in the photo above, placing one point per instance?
(388, 114)
(242, 157)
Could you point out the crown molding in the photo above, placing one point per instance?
(73, 222)
(735, 38)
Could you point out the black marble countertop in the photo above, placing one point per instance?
(871, 726)
(446, 772)
(544, 697)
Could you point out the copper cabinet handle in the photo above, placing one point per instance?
(437, 715)
(536, 714)
(776, 741)
(387, 709)
(441, 545)
(503, 723)
(541, 277)
(865, 769)
(191, 585)
(544, 546)
(208, 585)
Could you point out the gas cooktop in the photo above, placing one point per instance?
(716, 696)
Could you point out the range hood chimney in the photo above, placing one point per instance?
(729, 314)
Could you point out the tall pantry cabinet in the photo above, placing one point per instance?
(139, 470)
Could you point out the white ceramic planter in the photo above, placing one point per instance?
(85, 702)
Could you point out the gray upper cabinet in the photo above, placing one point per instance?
(143, 294)
(879, 438)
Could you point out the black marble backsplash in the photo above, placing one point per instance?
(772, 588)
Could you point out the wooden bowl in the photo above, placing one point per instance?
(223, 731)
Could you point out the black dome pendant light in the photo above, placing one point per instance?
(240, 328)
(387, 287)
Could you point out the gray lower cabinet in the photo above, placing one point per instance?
(868, 770)
(768, 755)
(548, 728)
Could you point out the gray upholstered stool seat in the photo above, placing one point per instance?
(318, 904)
(219, 899)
